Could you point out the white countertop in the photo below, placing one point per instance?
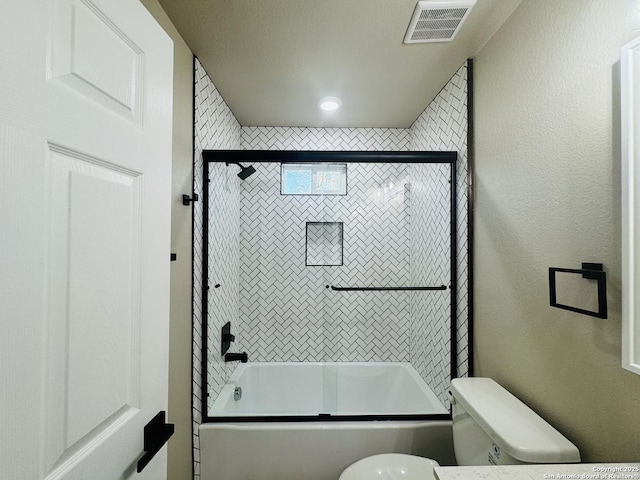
(598, 471)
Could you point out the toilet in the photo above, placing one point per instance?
(490, 427)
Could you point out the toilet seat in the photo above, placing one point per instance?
(391, 466)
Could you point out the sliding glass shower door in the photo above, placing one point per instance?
(340, 260)
(389, 301)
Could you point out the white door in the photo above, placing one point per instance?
(85, 142)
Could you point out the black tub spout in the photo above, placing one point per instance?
(235, 357)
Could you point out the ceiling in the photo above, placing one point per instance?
(271, 60)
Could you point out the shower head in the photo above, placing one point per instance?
(245, 172)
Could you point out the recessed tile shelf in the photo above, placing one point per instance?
(324, 244)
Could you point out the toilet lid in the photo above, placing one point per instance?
(391, 466)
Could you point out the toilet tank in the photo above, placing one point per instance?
(491, 426)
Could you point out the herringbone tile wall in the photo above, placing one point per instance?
(431, 265)
(432, 363)
(224, 268)
(215, 127)
(286, 311)
(287, 138)
(443, 126)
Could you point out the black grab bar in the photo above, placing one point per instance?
(384, 289)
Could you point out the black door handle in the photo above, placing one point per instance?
(156, 434)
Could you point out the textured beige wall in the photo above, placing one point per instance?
(179, 449)
(547, 193)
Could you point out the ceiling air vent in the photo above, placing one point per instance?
(437, 21)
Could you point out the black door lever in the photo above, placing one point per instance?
(156, 434)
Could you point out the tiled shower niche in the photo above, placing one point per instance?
(324, 244)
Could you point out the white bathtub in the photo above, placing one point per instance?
(286, 389)
(319, 450)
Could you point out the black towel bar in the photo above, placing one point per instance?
(384, 289)
(591, 271)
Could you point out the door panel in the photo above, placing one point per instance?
(85, 143)
(95, 231)
(93, 56)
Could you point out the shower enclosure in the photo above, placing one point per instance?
(341, 265)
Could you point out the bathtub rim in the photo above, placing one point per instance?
(323, 424)
(327, 418)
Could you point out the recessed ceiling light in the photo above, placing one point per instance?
(329, 104)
